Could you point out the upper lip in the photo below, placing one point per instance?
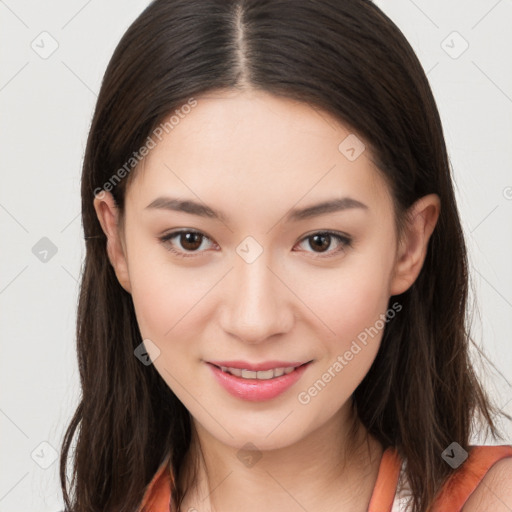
(266, 365)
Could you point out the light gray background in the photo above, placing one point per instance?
(46, 107)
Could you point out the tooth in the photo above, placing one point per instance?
(262, 374)
(265, 374)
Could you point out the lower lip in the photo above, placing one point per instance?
(256, 390)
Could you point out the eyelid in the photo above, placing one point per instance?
(344, 239)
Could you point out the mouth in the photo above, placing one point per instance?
(250, 382)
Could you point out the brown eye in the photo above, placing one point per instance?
(190, 241)
(187, 241)
(321, 241)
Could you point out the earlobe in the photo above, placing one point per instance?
(108, 216)
(422, 219)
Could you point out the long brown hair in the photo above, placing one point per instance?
(349, 59)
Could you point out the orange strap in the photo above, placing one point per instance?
(387, 480)
(158, 493)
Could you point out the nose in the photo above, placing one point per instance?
(258, 304)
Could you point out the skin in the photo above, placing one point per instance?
(494, 493)
(256, 156)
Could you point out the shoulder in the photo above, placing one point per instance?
(481, 483)
(494, 492)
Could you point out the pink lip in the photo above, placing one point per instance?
(256, 390)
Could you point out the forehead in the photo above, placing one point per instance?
(256, 145)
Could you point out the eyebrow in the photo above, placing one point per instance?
(294, 215)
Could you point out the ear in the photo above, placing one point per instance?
(412, 250)
(108, 216)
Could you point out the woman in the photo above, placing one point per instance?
(272, 309)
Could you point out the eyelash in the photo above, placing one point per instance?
(345, 241)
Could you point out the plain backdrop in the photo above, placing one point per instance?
(53, 56)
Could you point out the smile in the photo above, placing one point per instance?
(257, 384)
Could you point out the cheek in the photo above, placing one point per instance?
(356, 312)
(164, 310)
(163, 294)
(349, 301)
(152, 298)
(164, 307)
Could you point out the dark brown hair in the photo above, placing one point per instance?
(349, 59)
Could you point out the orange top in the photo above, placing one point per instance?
(454, 493)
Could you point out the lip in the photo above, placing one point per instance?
(256, 390)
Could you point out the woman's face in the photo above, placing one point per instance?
(256, 286)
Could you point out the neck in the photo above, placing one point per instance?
(333, 468)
